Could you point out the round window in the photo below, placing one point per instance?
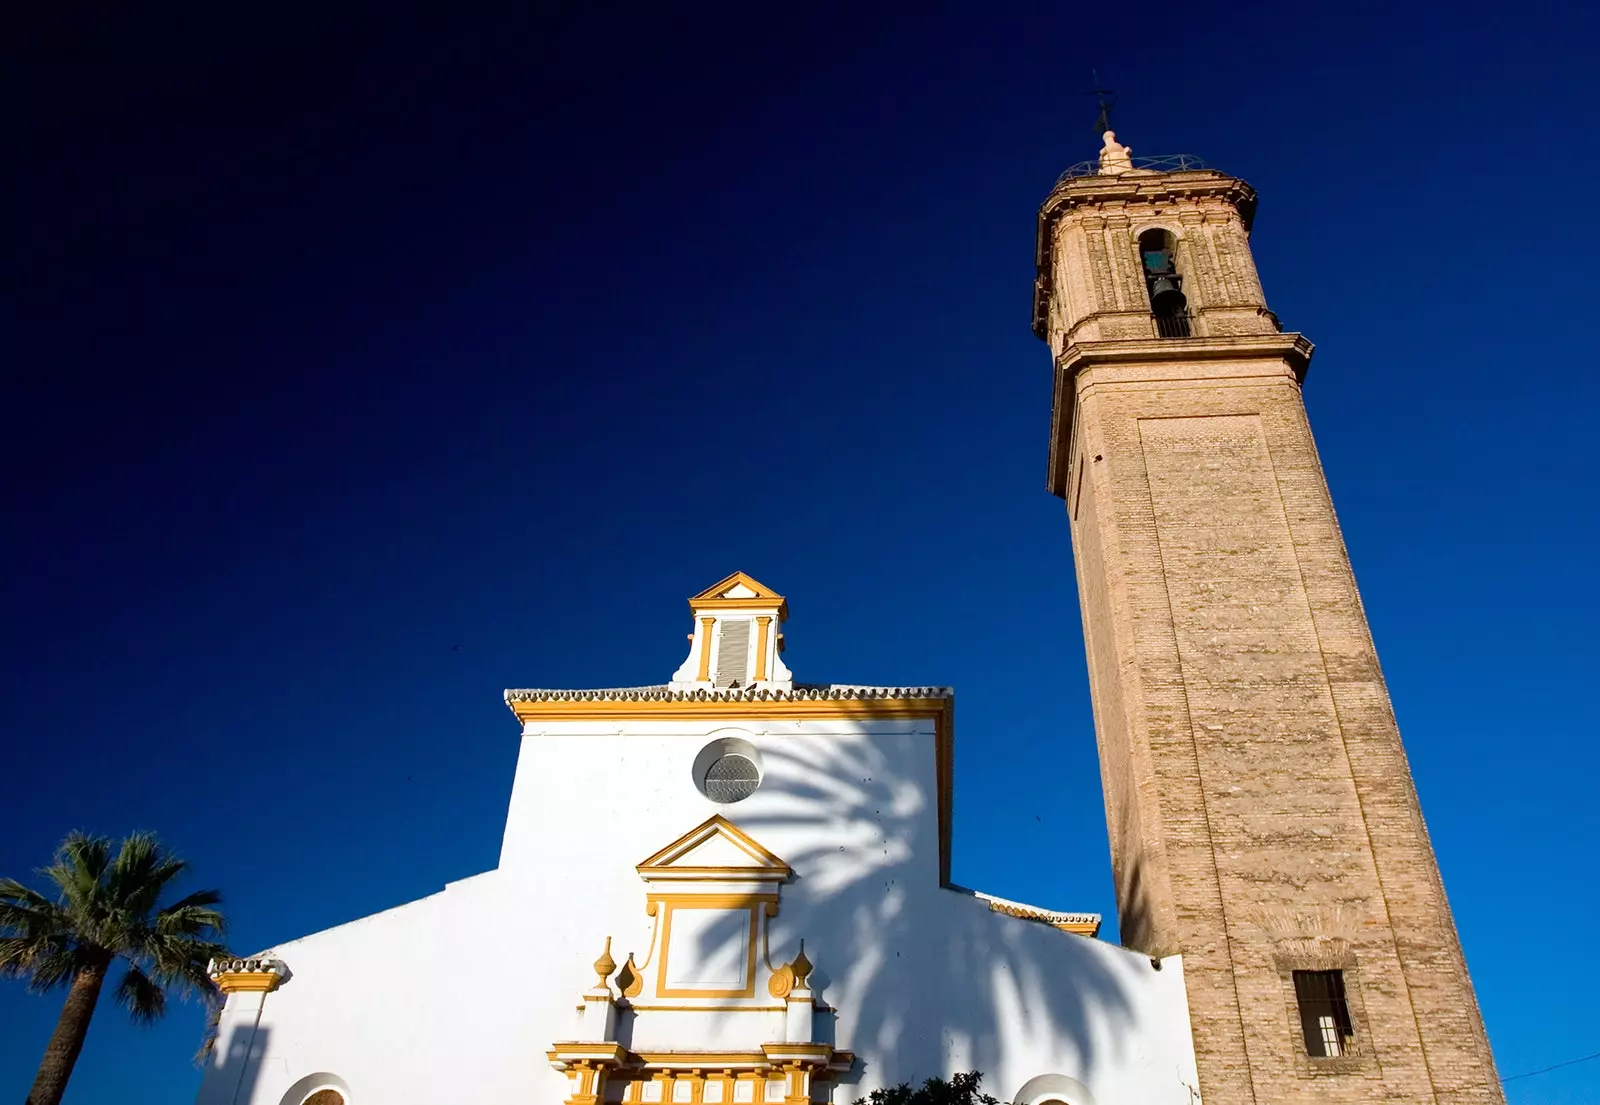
(731, 778)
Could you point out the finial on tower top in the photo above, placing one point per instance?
(1115, 158)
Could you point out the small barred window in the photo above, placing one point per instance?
(1324, 1013)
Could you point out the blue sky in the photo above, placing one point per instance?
(368, 365)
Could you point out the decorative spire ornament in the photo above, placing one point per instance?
(604, 966)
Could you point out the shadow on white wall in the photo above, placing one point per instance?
(925, 976)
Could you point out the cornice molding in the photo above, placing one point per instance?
(1292, 350)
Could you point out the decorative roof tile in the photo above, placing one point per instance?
(1084, 924)
(661, 692)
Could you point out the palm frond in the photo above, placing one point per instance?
(26, 914)
(15, 893)
(141, 871)
(193, 916)
(80, 864)
(51, 963)
(199, 897)
(144, 1000)
(180, 964)
(16, 954)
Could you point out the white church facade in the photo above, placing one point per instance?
(728, 888)
(733, 888)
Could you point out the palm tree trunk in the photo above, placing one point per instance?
(61, 1053)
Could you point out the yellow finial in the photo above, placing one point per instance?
(801, 966)
(605, 964)
(629, 980)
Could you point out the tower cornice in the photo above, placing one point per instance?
(1163, 360)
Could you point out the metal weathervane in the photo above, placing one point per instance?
(1107, 99)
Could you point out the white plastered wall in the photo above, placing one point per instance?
(458, 996)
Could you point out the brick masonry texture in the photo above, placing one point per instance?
(1261, 811)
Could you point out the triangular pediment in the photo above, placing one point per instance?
(738, 586)
(740, 592)
(716, 848)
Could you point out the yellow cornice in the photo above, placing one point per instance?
(777, 709)
(571, 1051)
(247, 982)
(1082, 928)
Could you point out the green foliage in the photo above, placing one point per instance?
(106, 908)
(962, 1089)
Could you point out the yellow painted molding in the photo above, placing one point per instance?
(691, 900)
(716, 1060)
(706, 626)
(763, 629)
(767, 864)
(708, 1007)
(710, 901)
(247, 982)
(764, 597)
(586, 1053)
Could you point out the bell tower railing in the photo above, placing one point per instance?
(1166, 163)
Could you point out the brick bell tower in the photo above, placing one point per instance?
(1262, 816)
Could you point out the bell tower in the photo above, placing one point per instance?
(1262, 815)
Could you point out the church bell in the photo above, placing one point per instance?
(1166, 298)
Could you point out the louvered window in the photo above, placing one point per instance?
(733, 653)
(1324, 1013)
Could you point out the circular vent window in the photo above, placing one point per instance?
(727, 770)
(731, 778)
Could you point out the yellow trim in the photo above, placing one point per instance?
(940, 710)
(716, 825)
(1082, 928)
(710, 901)
(713, 901)
(247, 982)
(785, 709)
(763, 628)
(578, 1051)
(706, 625)
(713, 597)
(741, 1007)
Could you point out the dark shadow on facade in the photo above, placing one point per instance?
(917, 971)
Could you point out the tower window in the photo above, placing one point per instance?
(1324, 1013)
(1158, 254)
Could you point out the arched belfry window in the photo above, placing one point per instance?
(1159, 255)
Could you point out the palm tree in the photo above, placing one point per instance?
(105, 910)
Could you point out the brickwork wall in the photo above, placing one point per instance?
(1261, 810)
